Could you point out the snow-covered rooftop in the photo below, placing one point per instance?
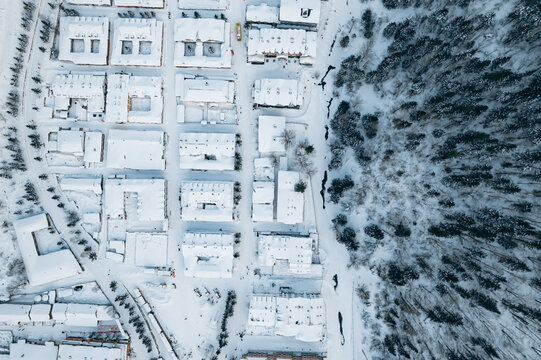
(263, 201)
(84, 40)
(21, 350)
(290, 203)
(301, 317)
(200, 89)
(278, 92)
(140, 3)
(150, 198)
(262, 13)
(69, 352)
(270, 133)
(264, 169)
(137, 42)
(42, 269)
(78, 97)
(68, 147)
(295, 250)
(132, 149)
(282, 43)
(207, 151)
(203, 4)
(208, 255)
(304, 12)
(206, 201)
(134, 99)
(150, 249)
(90, 2)
(202, 43)
(12, 314)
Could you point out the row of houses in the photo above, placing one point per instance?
(182, 4)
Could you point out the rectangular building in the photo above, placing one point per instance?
(292, 252)
(84, 40)
(282, 44)
(204, 90)
(137, 42)
(206, 201)
(207, 151)
(132, 149)
(277, 93)
(290, 203)
(301, 12)
(208, 255)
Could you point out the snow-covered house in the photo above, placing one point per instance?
(287, 253)
(264, 169)
(132, 149)
(206, 201)
(23, 350)
(281, 355)
(204, 90)
(14, 314)
(270, 134)
(207, 151)
(42, 268)
(84, 40)
(263, 201)
(140, 3)
(137, 42)
(134, 99)
(262, 13)
(290, 203)
(208, 255)
(277, 93)
(299, 317)
(90, 2)
(203, 4)
(302, 12)
(282, 44)
(202, 43)
(74, 147)
(69, 352)
(76, 97)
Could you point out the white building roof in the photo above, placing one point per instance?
(205, 90)
(290, 204)
(22, 350)
(202, 43)
(295, 250)
(84, 40)
(282, 43)
(263, 169)
(203, 4)
(78, 87)
(92, 184)
(262, 13)
(12, 314)
(87, 315)
(278, 92)
(150, 198)
(263, 201)
(42, 269)
(132, 149)
(207, 201)
(150, 249)
(69, 352)
(300, 317)
(300, 11)
(140, 3)
(70, 141)
(40, 312)
(134, 99)
(137, 42)
(90, 2)
(58, 312)
(93, 147)
(208, 255)
(270, 133)
(207, 151)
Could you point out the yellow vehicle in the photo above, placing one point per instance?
(239, 32)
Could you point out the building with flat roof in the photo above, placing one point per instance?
(270, 134)
(263, 201)
(206, 201)
(150, 248)
(76, 97)
(277, 93)
(297, 316)
(42, 268)
(134, 99)
(140, 3)
(84, 40)
(132, 149)
(23, 350)
(292, 253)
(262, 13)
(282, 44)
(302, 12)
(258, 355)
(137, 42)
(204, 90)
(208, 255)
(203, 4)
(73, 147)
(290, 203)
(202, 43)
(90, 2)
(207, 151)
